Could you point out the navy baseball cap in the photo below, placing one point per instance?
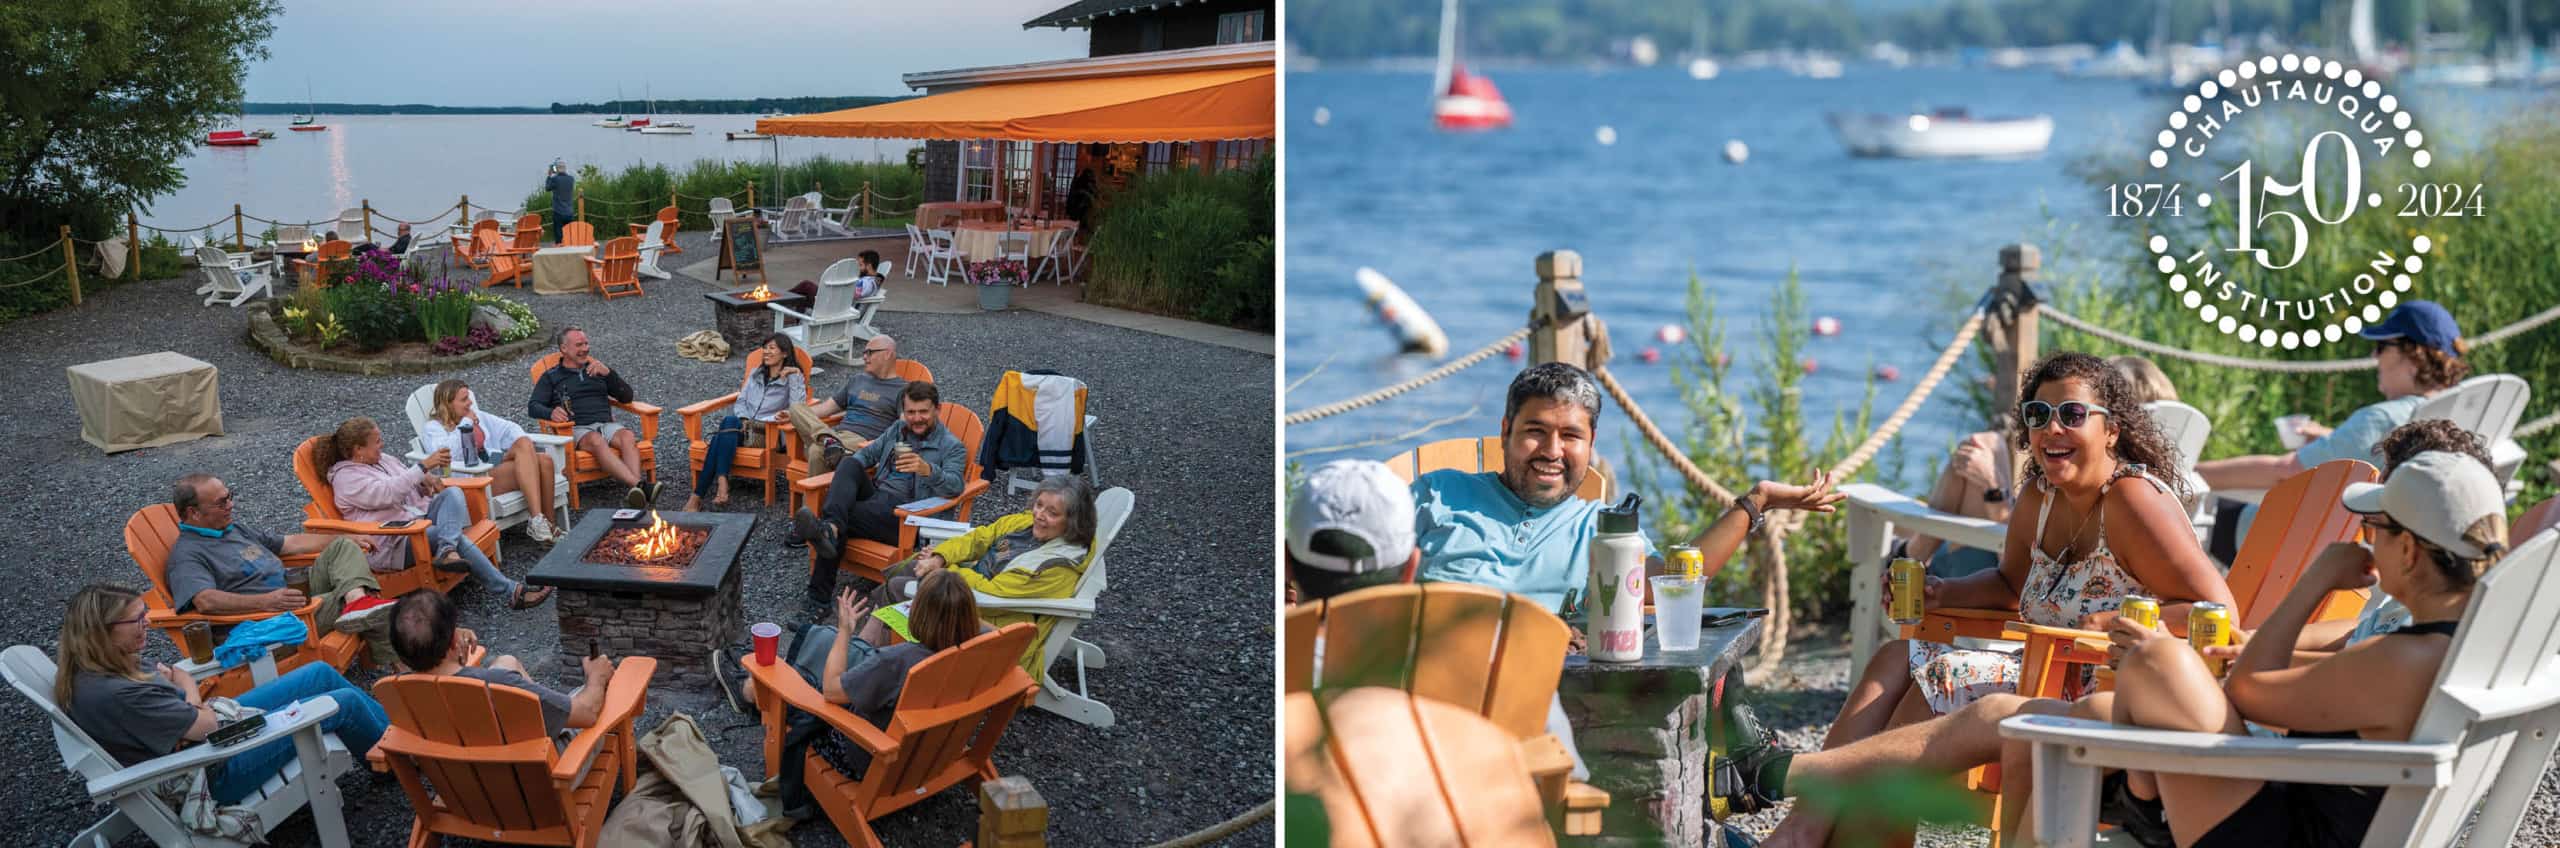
(2420, 322)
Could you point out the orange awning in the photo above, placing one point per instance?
(1227, 103)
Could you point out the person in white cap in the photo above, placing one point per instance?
(1350, 527)
(2434, 526)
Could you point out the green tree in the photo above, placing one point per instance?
(106, 95)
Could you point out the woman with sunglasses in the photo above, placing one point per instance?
(2417, 353)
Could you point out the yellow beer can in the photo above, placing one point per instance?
(1910, 578)
(1687, 562)
(2141, 609)
(2209, 626)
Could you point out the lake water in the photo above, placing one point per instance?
(1881, 245)
(411, 166)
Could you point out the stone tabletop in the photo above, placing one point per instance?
(565, 565)
(1643, 728)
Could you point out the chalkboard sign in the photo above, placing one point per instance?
(741, 248)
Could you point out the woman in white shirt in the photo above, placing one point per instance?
(519, 466)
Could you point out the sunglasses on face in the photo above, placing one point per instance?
(2036, 414)
(2378, 526)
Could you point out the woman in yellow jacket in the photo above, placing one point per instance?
(1041, 553)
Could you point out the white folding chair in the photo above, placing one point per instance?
(917, 248)
(942, 256)
(1015, 246)
(1053, 262)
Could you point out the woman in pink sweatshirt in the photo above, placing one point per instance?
(373, 485)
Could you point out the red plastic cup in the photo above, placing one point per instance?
(768, 638)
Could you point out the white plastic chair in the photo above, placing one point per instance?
(793, 223)
(2482, 739)
(1111, 510)
(836, 322)
(1015, 246)
(942, 256)
(2489, 406)
(291, 235)
(509, 509)
(351, 226)
(917, 248)
(720, 212)
(309, 780)
(2187, 429)
(233, 281)
(1053, 261)
(652, 245)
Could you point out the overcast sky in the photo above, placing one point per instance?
(535, 52)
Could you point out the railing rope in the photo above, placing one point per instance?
(1461, 364)
(1911, 405)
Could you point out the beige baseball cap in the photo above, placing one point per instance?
(2437, 495)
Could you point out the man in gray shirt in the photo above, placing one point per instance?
(869, 401)
(223, 567)
(425, 628)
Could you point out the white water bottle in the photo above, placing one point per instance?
(1614, 612)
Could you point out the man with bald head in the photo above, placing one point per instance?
(869, 401)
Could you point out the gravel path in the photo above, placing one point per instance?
(1804, 694)
(1186, 622)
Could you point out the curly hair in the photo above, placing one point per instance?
(2433, 434)
(2138, 438)
(2437, 369)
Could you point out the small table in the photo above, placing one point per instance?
(561, 270)
(742, 320)
(980, 240)
(146, 401)
(1643, 730)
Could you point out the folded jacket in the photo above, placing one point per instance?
(249, 640)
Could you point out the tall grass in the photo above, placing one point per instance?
(1188, 243)
(634, 194)
(2489, 270)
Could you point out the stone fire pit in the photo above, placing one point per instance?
(675, 609)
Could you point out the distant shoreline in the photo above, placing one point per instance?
(755, 106)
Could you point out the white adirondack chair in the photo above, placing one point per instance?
(2489, 406)
(422, 249)
(1111, 510)
(309, 780)
(351, 226)
(653, 244)
(720, 211)
(917, 249)
(233, 281)
(508, 510)
(942, 257)
(836, 322)
(2482, 739)
(793, 223)
(1874, 511)
(2188, 429)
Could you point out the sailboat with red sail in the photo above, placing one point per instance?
(1461, 100)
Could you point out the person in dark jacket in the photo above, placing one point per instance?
(918, 459)
(580, 391)
(564, 194)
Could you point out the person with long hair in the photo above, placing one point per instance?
(520, 467)
(865, 673)
(766, 394)
(1041, 552)
(138, 715)
(370, 484)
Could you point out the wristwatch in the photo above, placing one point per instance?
(1758, 517)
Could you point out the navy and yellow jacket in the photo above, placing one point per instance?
(1036, 421)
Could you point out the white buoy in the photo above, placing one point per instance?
(1736, 152)
(1607, 135)
(1671, 333)
(1703, 68)
(1644, 51)
(1826, 326)
(1323, 116)
(1414, 329)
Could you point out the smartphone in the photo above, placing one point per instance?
(595, 648)
(238, 731)
(395, 525)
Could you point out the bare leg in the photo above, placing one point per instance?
(1874, 698)
(1959, 740)
(628, 445)
(509, 663)
(607, 457)
(2163, 684)
(544, 471)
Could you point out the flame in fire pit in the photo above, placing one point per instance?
(656, 542)
(761, 293)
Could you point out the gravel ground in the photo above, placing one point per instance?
(1187, 621)
(1800, 698)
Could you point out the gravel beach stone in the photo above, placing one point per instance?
(1187, 621)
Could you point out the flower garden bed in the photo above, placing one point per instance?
(375, 317)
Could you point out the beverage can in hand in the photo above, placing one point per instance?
(2209, 626)
(1910, 581)
(2141, 609)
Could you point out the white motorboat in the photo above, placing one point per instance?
(1942, 134)
(667, 129)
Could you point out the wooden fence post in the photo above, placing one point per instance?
(866, 202)
(71, 263)
(582, 204)
(368, 221)
(1011, 814)
(239, 232)
(132, 245)
(2013, 334)
(1565, 325)
(465, 220)
(751, 194)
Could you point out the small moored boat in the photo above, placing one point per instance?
(747, 135)
(230, 138)
(1942, 134)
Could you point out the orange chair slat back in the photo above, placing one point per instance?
(1480, 455)
(621, 262)
(315, 480)
(578, 233)
(336, 249)
(965, 426)
(508, 793)
(799, 356)
(147, 538)
(2300, 516)
(529, 232)
(955, 705)
(913, 371)
(1497, 654)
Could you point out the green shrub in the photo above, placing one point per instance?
(1186, 242)
(633, 195)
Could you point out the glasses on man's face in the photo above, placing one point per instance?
(868, 351)
(2037, 414)
(225, 500)
(2378, 526)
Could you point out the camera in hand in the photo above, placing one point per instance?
(238, 731)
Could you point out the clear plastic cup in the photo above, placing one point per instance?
(1678, 605)
(2286, 431)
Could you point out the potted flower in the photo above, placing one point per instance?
(996, 279)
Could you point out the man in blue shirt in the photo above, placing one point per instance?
(1522, 530)
(564, 194)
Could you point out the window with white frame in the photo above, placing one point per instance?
(1241, 153)
(978, 170)
(1017, 173)
(1241, 27)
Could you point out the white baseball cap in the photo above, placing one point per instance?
(1359, 497)
(2436, 495)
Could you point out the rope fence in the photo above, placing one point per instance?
(56, 244)
(1436, 375)
(38, 278)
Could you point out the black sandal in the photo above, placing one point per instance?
(528, 597)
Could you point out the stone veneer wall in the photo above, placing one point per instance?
(679, 631)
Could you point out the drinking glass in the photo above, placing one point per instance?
(1678, 604)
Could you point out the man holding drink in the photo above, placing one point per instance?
(918, 459)
(220, 566)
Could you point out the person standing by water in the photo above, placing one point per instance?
(564, 193)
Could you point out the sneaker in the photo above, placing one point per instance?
(831, 453)
(818, 533)
(360, 614)
(728, 677)
(1733, 776)
(638, 498)
(539, 529)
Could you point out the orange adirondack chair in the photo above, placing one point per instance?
(1485, 454)
(950, 716)
(582, 466)
(1368, 639)
(507, 264)
(467, 246)
(529, 232)
(872, 559)
(314, 271)
(758, 462)
(577, 233)
(2534, 520)
(321, 516)
(797, 467)
(147, 538)
(477, 764)
(1393, 768)
(618, 272)
(668, 216)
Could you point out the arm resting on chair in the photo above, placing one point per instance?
(142, 775)
(693, 412)
(624, 696)
(778, 685)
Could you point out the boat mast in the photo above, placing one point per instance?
(2360, 31)
(1441, 74)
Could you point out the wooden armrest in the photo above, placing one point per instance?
(342, 526)
(1545, 757)
(2326, 761)
(815, 484)
(1583, 804)
(2022, 630)
(398, 740)
(315, 709)
(624, 696)
(1975, 613)
(173, 619)
(967, 493)
(779, 684)
(475, 495)
(2095, 644)
(693, 412)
